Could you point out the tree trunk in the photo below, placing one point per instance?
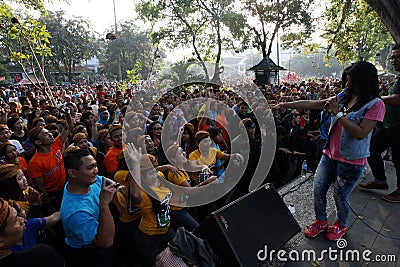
(217, 77)
(388, 11)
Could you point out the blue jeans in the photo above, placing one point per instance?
(183, 218)
(344, 177)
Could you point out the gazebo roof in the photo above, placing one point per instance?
(266, 64)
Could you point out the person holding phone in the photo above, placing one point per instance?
(85, 212)
(342, 164)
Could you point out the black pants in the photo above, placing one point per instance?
(148, 246)
(381, 140)
(89, 256)
(125, 242)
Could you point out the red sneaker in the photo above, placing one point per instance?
(318, 226)
(336, 231)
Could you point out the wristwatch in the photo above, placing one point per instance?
(339, 115)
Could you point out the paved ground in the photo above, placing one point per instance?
(383, 240)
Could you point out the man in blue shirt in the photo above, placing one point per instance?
(85, 213)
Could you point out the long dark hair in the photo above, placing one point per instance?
(364, 77)
(150, 130)
(191, 145)
(9, 189)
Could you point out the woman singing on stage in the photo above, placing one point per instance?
(354, 115)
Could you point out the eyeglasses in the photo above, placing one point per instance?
(157, 128)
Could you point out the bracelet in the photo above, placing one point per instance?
(339, 115)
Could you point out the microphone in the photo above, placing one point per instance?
(340, 95)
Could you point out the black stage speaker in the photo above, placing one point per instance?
(238, 231)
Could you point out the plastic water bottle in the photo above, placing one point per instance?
(292, 209)
(304, 169)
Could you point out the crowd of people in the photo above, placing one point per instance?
(87, 169)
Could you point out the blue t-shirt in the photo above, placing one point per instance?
(80, 215)
(218, 163)
(32, 227)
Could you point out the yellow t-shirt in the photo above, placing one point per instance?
(178, 179)
(211, 158)
(152, 223)
(131, 212)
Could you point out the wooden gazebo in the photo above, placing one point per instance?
(265, 71)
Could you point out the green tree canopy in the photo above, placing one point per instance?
(26, 42)
(388, 11)
(205, 26)
(266, 18)
(71, 44)
(132, 46)
(354, 31)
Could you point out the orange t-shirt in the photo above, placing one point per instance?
(24, 165)
(223, 125)
(202, 127)
(50, 166)
(111, 159)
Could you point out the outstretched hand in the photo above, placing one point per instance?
(276, 107)
(133, 154)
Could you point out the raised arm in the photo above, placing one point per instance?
(306, 104)
(53, 219)
(392, 100)
(135, 155)
(357, 131)
(64, 135)
(192, 166)
(95, 132)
